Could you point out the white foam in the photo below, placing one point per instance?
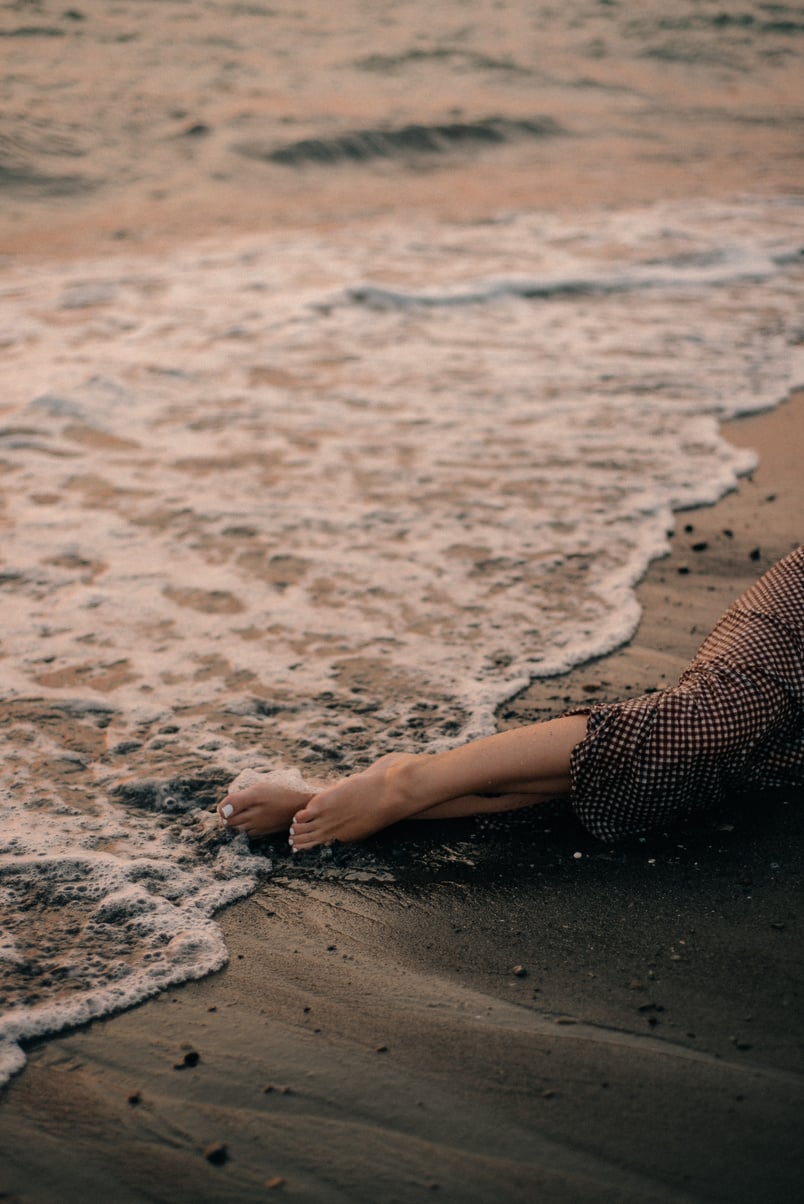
(97, 932)
(285, 775)
(236, 485)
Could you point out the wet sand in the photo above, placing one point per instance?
(623, 1025)
(515, 1022)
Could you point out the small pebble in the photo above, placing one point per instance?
(577, 856)
(519, 971)
(135, 1098)
(216, 1153)
(275, 1181)
(191, 1058)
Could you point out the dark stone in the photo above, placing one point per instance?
(190, 1059)
(216, 1153)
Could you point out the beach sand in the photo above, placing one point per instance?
(520, 1022)
(623, 1025)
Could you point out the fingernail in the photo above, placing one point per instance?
(290, 841)
(227, 811)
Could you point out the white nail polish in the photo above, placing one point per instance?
(290, 842)
(227, 811)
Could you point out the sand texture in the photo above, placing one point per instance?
(351, 354)
(498, 1018)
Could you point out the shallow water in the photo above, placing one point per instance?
(355, 506)
(127, 120)
(442, 457)
(303, 497)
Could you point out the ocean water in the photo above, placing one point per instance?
(303, 496)
(284, 498)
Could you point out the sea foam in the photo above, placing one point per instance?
(289, 494)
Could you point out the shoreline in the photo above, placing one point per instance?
(715, 553)
(501, 1009)
(650, 1050)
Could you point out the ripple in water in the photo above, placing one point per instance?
(312, 498)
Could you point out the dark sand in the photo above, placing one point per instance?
(373, 1041)
(368, 1040)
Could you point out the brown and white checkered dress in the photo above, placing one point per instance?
(734, 722)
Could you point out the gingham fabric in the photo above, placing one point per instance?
(734, 722)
